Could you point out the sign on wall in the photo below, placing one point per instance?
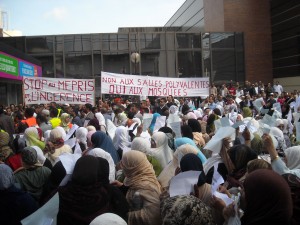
(39, 90)
(15, 68)
(125, 84)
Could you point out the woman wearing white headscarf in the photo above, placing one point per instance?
(81, 136)
(99, 152)
(292, 158)
(278, 134)
(56, 146)
(143, 145)
(121, 140)
(108, 219)
(101, 120)
(169, 171)
(41, 157)
(286, 133)
(160, 148)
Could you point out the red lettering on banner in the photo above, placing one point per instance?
(109, 80)
(91, 85)
(80, 83)
(126, 81)
(116, 89)
(135, 90)
(74, 83)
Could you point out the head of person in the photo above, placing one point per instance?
(6, 177)
(257, 164)
(88, 108)
(240, 155)
(186, 131)
(267, 198)
(190, 162)
(29, 112)
(162, 102)
(29, 157)
(108, 219)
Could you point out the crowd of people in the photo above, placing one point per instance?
(119, 161)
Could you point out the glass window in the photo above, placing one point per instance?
(239, 40)
(110, 42)
(151, 41)
(206, 63)
(116, 63)
(134, 42)
(205, 40)
(78, 65)
(59, 66)
(223, 65)
(170, 40)
(189, 64)
(15, 42)
(96, 42)
(172, 64)
(97, 63)
(153, 63)
(188, 40)
(47, 65)
(77, 43)
(222, 40)
(240, 66)
(59, 43)
(123, 42)
(39, 44)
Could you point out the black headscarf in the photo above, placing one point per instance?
(189, 162)
(268, 199)
(186, 131)
(84, 198)
(195, 125)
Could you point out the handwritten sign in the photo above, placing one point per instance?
(112, 83)
(39, 90)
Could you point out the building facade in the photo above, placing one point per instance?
(161, 53)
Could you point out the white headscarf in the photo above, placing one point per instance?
(62, 131)
(169, 171)
(137, 120)
(278, 134)
(100, 118)
(81, 134)
(121, 139)
(40, 155)
(293, 157)
(142, 145)
(108, 219)
(173, 109)
(163, 153)
(99, 152)
(91, 128)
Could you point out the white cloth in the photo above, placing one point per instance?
(169, 171)
(81, 134)
(121, 139)
(100, 118)
(141, 144)
(108, 219)
(163, 153)
(99, 152)
(293, 157)
(40, 155)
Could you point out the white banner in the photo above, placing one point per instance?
(125, 84)
(39, 90)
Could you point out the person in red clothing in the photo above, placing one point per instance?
(30, 119)
(231, 90)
